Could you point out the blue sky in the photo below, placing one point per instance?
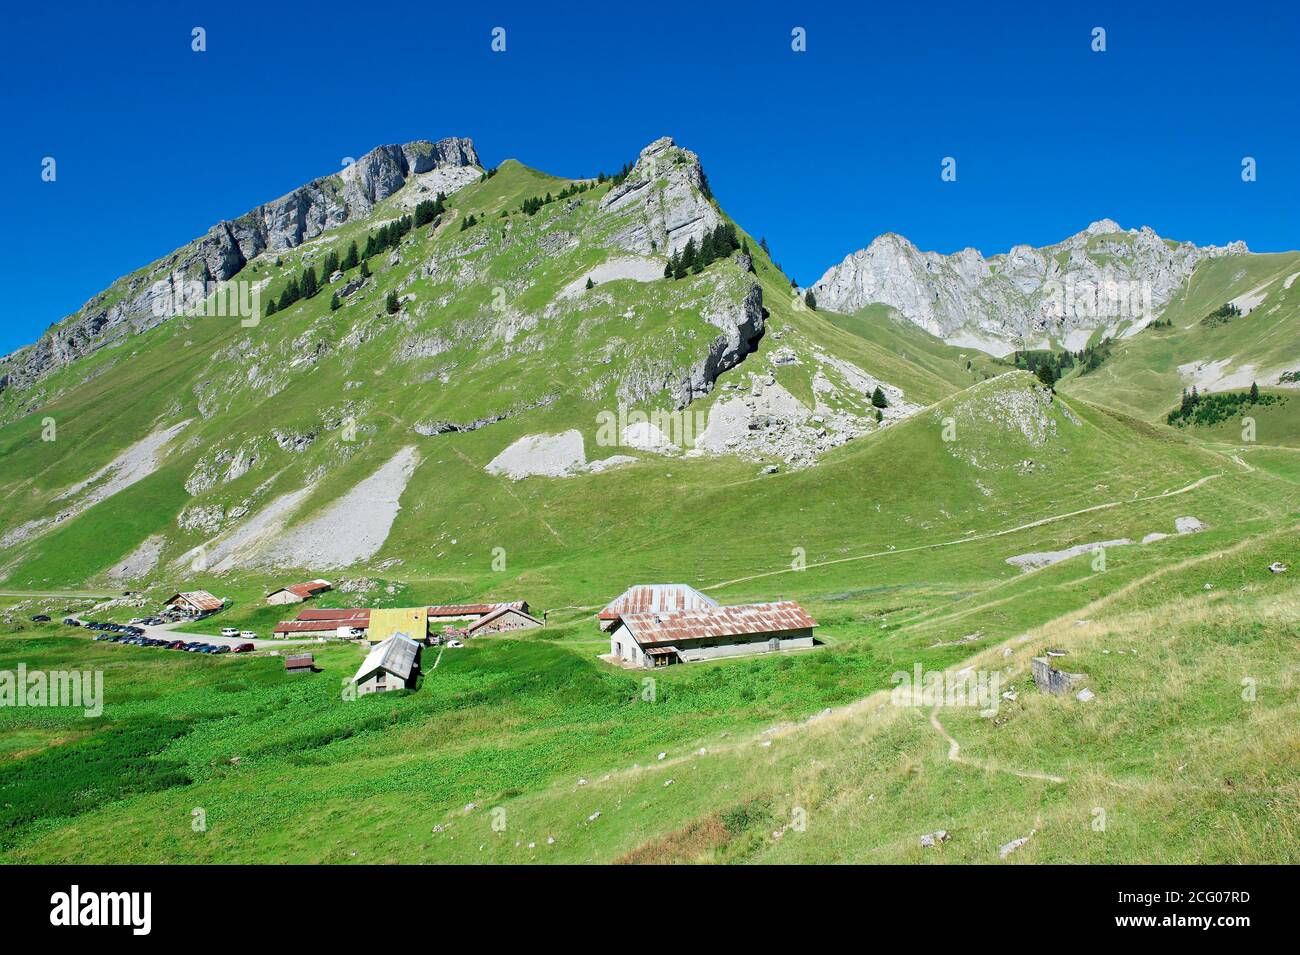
(818, 151)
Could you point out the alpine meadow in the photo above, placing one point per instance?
(442, 511)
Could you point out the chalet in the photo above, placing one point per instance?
(300, 663)
(324, 623)
(659, 638)
(194, 603)
(297, 593)
(393, 664)
(473, 611)
(417, 623)
(653, 598)
(504, 618)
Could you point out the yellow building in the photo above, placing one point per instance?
(410, 622)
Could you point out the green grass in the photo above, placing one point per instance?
(905, 533)
(1143, 378)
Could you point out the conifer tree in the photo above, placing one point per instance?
(334, 302)
(390, 303)
(878, 399)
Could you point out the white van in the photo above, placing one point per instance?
(229, 632)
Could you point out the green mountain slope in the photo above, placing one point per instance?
(445, 434)
(1148, 371)
(267, 426)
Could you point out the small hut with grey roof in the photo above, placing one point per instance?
(392, 664)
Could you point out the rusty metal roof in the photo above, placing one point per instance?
(500, 612)
(467, 610)
(334, 613)
(314, 626)
(650, 629)
(304, 590)
(656, 598)
(198, 598)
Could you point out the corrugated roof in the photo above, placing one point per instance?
(465, 610)
(299, 660)
(656, 598)
(312, 626)
(334, 613)
(650, 629)
(307, 589)
(198, 598)
(499, 612)
(396, 655)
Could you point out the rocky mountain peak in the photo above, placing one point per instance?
(664, 202)
(1015, 300)
(1103, 227)
(294, 218)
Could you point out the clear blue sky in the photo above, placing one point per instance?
(818, 151)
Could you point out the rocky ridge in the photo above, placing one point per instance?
(127, 306)
(1102, 277)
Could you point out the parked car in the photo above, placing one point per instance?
(243, 648)
(102, 636)
(247, 635)
(229, 632)
(40, 618)
(455, 644)
(221, 648)
(70, 622)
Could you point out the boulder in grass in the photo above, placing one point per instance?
(932, 839)
(1014, 844)
(1051, 680)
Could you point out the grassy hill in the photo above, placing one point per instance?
(1144, 378)
(231, 458)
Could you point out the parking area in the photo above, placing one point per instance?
(164, 635)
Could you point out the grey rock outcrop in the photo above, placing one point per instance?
(127, 306)
(1098, 278)
(742, 326)
(663, 203)
(1049, 679)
